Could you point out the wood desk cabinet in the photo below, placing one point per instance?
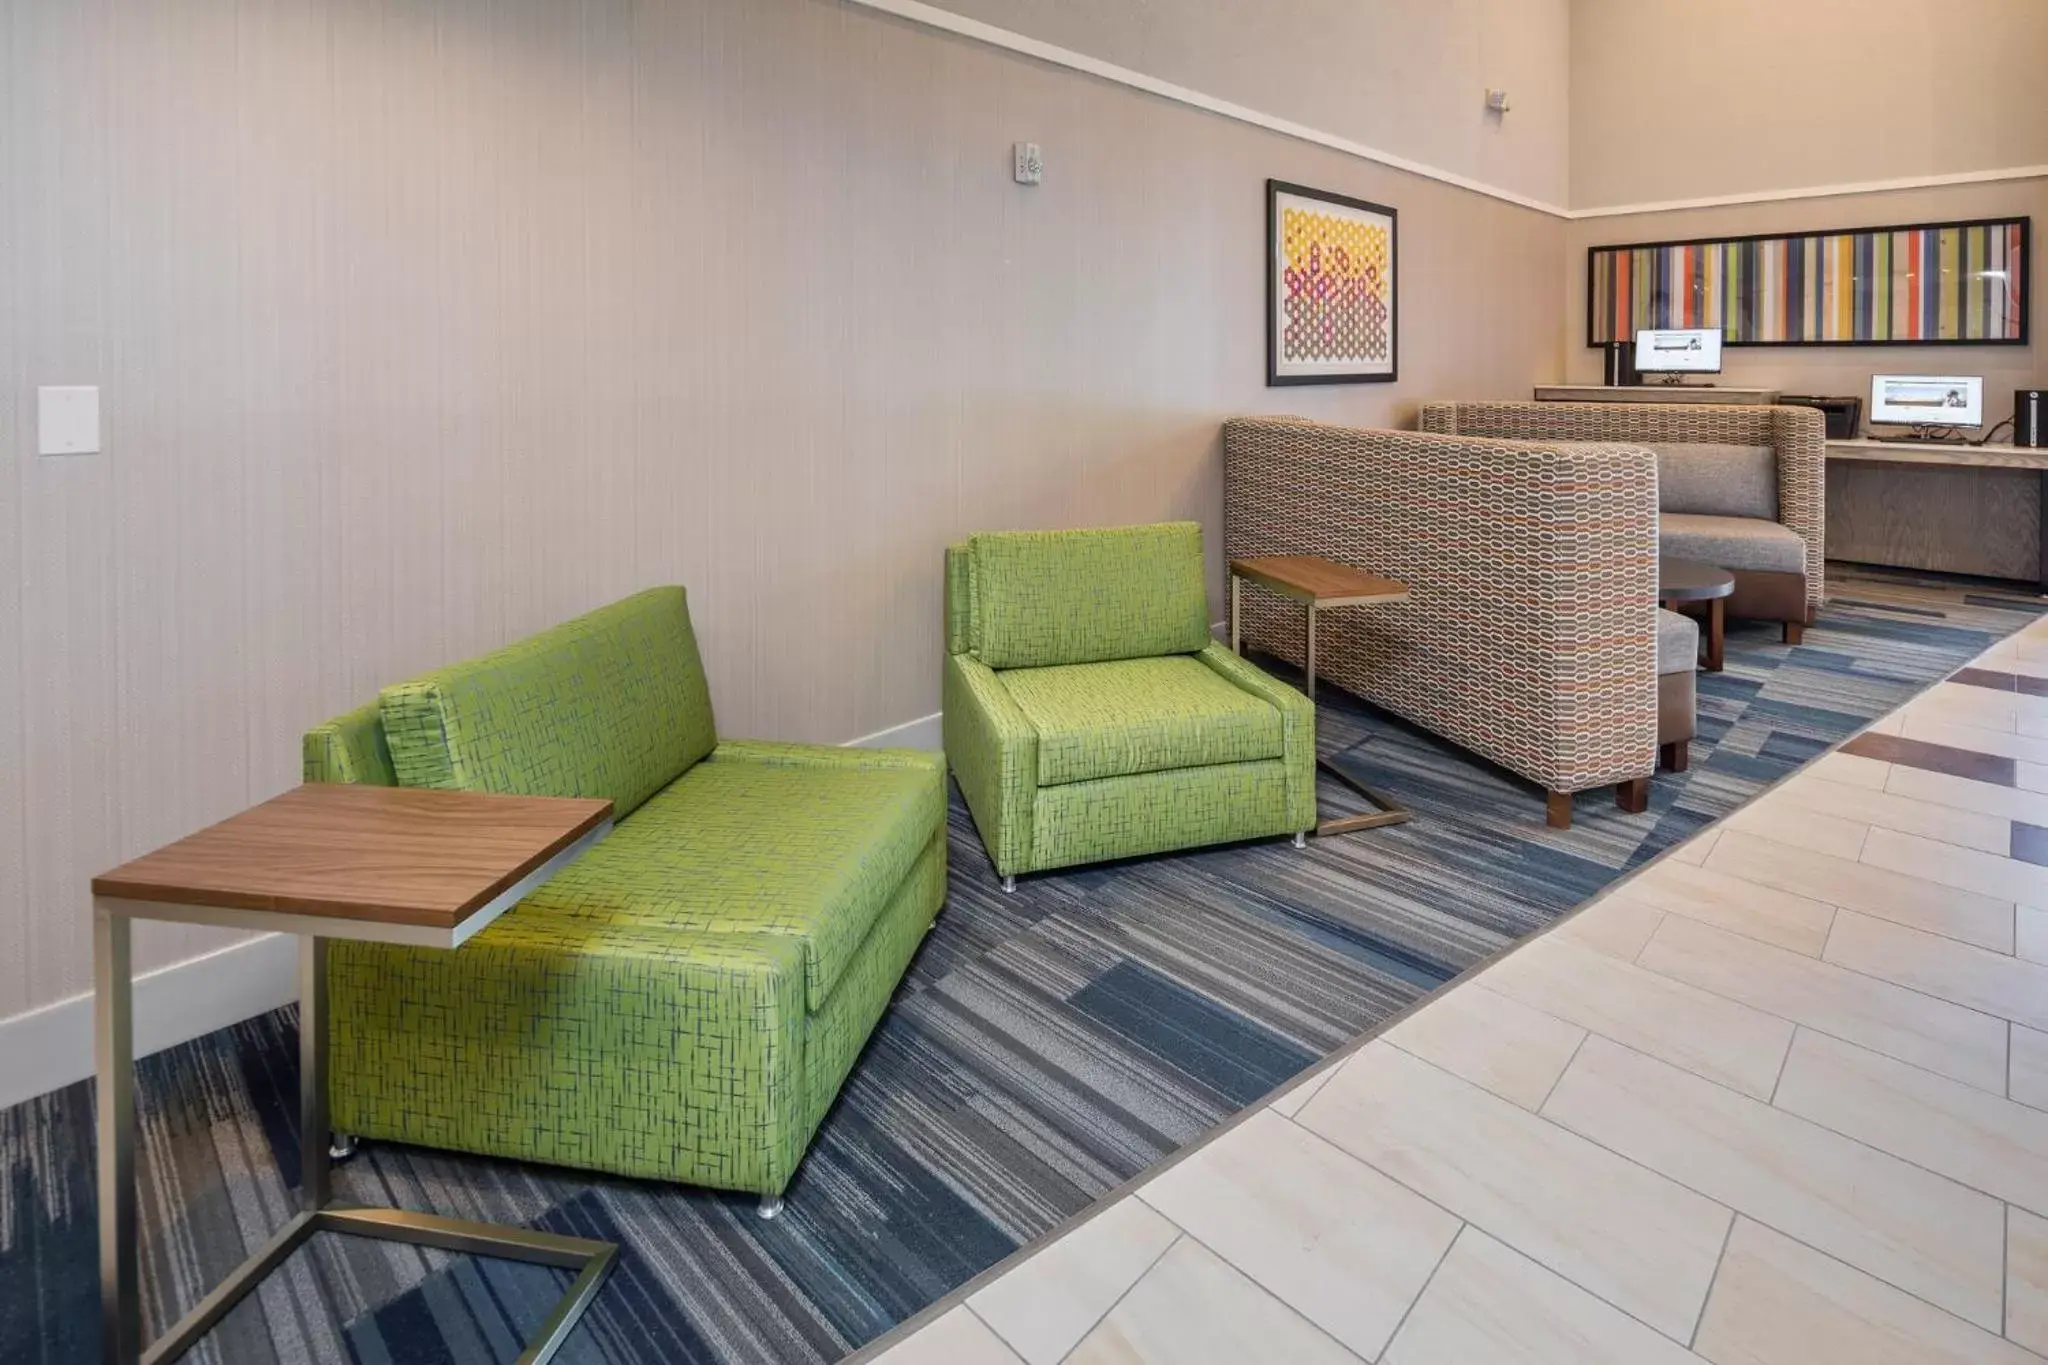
(1933, 505)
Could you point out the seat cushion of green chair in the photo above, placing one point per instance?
(743, 847)
(1130, 716)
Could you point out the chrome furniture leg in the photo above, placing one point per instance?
(113, 1030)
(120, 1302)
(340, 1147)
(1010, 884)
(315, 1176)
(769, 1207)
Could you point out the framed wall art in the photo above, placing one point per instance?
(1331, 272)
(1919, 284)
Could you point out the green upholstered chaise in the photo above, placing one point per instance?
(1088, 713)
(684, 1001)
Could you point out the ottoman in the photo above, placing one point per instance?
(1678, 656)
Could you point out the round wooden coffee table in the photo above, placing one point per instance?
(1688, 580)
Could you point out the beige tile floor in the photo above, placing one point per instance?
(1779, 1099)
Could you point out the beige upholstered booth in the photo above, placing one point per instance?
(1741, 488)
(1531, 637)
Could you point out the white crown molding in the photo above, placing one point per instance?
(1909, 182)
(945, 20)
(930, 16)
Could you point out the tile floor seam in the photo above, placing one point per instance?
(1429, 1280)
(1350, 1155)
(1727, 1236)
(1792, 785)
(1783, 1063)
(1962, 848)
(1909, 929)
(1584, 1034)
(1934, 886)
(1727, 928)
(1761, 1220)
(1576, 1135)
(1181, 1234)
(1861, 1142)
(1273, 1294)
(966, 1307)
(1816, 1028)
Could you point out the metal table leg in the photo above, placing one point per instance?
(120, 1302)
(1390, 812)
(113, 1036)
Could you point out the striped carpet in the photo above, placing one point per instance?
(1046, 1047)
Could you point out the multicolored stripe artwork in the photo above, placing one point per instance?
(1961, 283)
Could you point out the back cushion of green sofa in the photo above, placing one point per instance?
(349, 748)
(612, 704)
(1074, 597)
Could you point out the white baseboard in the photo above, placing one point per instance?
(48, 1048)
(922, 733)
(51, 1047)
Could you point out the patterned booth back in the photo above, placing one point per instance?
(1798, 436)
(1530, 637)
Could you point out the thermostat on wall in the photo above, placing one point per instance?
(1030, 166)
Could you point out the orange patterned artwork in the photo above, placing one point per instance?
(1330, 288)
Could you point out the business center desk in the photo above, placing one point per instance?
(1928, 505)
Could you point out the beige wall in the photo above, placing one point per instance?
(1765, 95)
(1397, 75)
(1830, 369)
(422, 325)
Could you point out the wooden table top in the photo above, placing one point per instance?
(384, 855)
(1318, 581)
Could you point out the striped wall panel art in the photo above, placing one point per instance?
(1921, 284)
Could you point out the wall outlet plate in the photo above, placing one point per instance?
(1029, 162)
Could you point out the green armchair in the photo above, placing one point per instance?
(1090, 716)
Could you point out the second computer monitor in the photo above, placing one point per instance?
(1927, 400)
(1678, 350)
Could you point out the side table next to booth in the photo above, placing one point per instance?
(1320, 584)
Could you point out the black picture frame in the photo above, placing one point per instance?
(1274, 378)
(2026, 307)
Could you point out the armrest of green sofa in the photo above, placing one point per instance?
(779, 755)
(993, 749)
(1297, 727)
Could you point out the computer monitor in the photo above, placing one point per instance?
(1680, 350)
(1927, 400)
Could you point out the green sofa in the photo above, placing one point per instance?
(684, 1001)
(1088, 713)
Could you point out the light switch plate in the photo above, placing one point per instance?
(67, 419)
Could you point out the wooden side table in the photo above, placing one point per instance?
(1320, 584)
(371, 864)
